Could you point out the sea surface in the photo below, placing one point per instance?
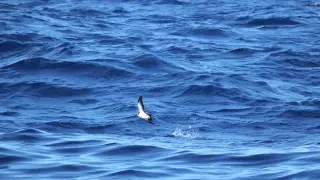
(233, 87)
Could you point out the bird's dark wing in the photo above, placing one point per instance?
(140, 104)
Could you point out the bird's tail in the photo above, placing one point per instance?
(151, 122)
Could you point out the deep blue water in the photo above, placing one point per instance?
(233, 87)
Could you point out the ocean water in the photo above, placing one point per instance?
(233, 88)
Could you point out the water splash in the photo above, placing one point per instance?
(190, 133)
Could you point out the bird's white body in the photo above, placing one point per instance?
(142, 114)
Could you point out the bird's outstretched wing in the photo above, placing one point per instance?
(140, 104)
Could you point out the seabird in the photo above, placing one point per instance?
(142, 114)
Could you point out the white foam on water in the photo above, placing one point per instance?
(189, 133)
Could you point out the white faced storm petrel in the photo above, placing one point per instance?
(142, 114)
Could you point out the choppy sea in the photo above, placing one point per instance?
(233, 88)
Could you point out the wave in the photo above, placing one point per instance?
(108, 128)
(89, 69)
(21, 37)
(303, 174)
(42, 89)
(80, 147)
(279, 21)
(6, 5)
(251, 160)
(26, 135)
(44, 169)
(75, 143)
(190, 157)
(137, 173)
(311, 102)
(305, 113)
(235, 160)
(9, 159)
(243, 51)
(110, 40)
(172, 2)
(9, 46)
(64, 49)
(12, 41)
(84, 101)
(210, 90)
(204, 32)
(76, 150)
(151, 62)
(295, 58)
(9, 113)
(259, 159)
(148, 61)
(132, 150)
(73, 125)
(232, 110)
(162, 19)
(159, 89)
(178, 50)
(301, 63)
(8, 126)
(87, 12)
